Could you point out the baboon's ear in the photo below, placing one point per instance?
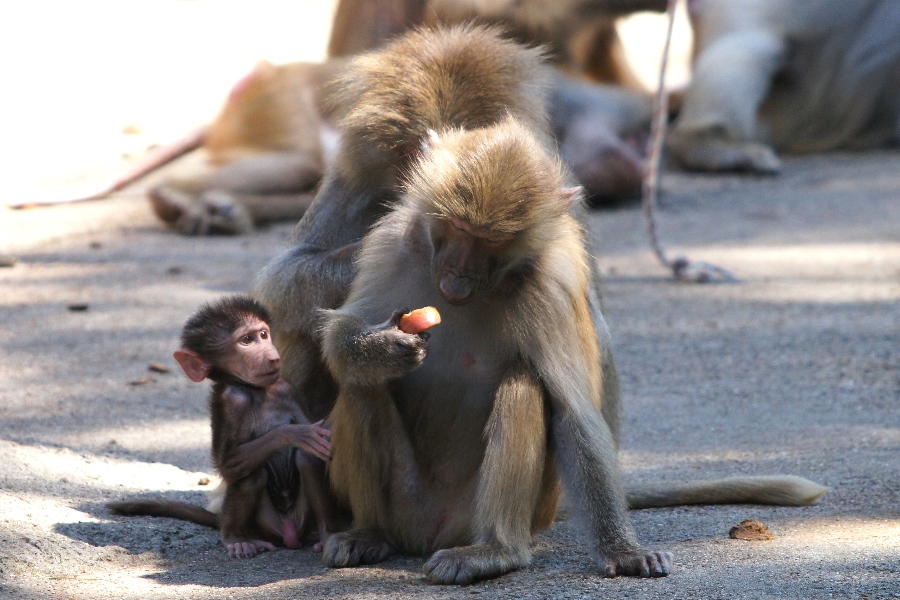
(573, 194)
(193, 366)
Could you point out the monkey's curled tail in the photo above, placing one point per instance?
(165, 508)
(779, 490)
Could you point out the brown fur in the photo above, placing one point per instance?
(468, 449)
(263, 155)
(548, 299)
(600, 129)
(400, 93)
(365, 176)
(579, 35)
(361, 25)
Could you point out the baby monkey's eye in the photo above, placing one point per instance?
(247, 340)
(264, 334)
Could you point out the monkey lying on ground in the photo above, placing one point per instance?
(263, 155)
(240, 183)
(263, 446)
(467, 445)
(791, 76)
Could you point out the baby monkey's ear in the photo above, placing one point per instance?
(193, 366)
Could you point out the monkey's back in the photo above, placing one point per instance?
(274, 108)
(466, 76)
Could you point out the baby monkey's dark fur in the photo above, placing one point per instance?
(262, 444)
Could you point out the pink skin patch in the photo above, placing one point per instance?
(243, 83)
(289, 533)
(467, 359)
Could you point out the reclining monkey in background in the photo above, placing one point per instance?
(788, 75)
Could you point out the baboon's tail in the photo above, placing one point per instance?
(780, 490)
(166, 508)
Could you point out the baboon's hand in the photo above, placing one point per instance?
(396, 352)
(637, 563)
(312, 439)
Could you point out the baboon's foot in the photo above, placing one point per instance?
(238, 548)
(353, 548)
(637, 563)
(212, 212)
(708, 152)
(464, 565)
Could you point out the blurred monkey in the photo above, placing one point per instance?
(788, 76)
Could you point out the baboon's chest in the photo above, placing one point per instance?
(450, 397)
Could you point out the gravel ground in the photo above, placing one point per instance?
(794, 369)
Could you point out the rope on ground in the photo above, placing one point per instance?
(682, 268)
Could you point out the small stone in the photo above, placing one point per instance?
(77, 307)
(158, 367)
(751, 531)
(203, 481)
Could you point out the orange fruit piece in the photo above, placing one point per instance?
(419, 320)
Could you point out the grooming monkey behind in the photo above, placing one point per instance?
(264, 447)
(579, 35)
(381, 133)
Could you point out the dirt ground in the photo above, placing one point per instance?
(794, 369)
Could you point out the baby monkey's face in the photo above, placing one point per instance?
(252, 356)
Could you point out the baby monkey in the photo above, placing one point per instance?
(266, 450)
